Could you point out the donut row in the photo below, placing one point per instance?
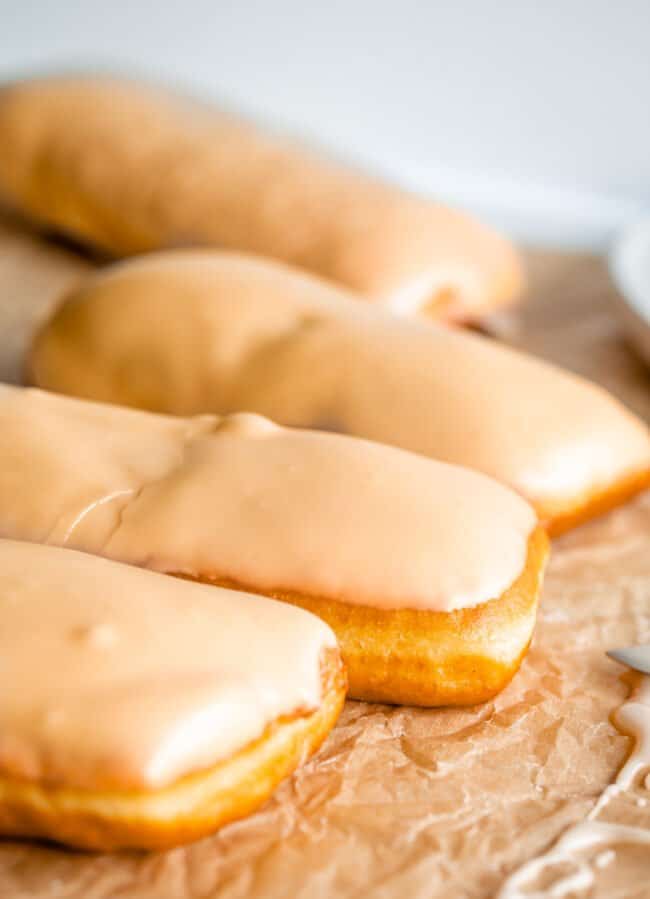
(147, 710)
(187, 332)
(312, 496)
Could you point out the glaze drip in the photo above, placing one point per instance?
(633, 718)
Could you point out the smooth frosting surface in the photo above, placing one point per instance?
(270, 508)
(193, 331)
(118, 677)
(132, 168)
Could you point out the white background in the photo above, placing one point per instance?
(535, 113)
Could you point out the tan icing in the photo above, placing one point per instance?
(267, 507)
(114, 676)
(136, 169)
(632, 718)
(196, 331)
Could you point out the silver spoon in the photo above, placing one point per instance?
(637, 657)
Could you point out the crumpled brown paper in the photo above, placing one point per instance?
(403, 802)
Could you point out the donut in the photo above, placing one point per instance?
(142, 711)
(201, 331)
(429, 574)
(127, 167)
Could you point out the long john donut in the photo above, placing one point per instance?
(429, 574)
(128, 168)
(199, 331)
(141, 711)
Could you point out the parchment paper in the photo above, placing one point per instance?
(403, 802)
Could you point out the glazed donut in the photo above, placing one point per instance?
(143, 711)
(129, 168)
(429, 574)
(199, 331)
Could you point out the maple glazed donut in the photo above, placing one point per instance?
(128, 168)
(429, 574)
(142, 711)
(198, 331)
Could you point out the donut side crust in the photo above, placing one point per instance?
(426, 658)
(185, 811)
(561, 517)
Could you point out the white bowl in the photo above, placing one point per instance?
(629, 266)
